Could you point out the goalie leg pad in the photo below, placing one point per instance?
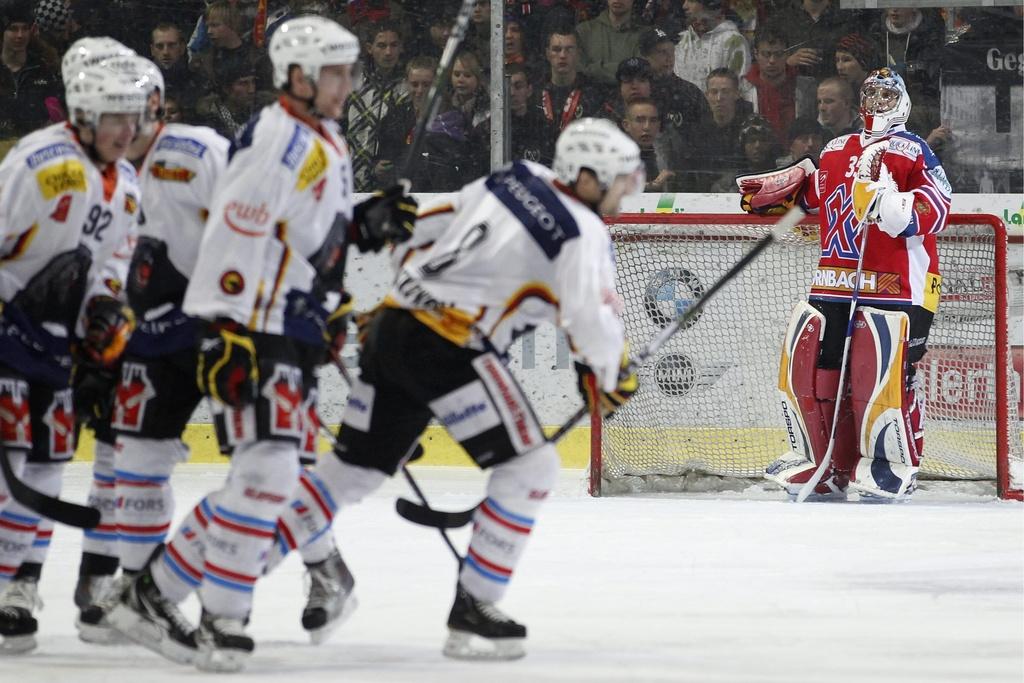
(885, 415)
(142, 473)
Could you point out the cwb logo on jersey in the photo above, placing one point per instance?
(841, 236)
(133, 393)
(284, 393)
(60, 422)
(15, 424)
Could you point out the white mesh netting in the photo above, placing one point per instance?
(708, 404)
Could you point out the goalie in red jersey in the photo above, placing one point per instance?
(884, 192)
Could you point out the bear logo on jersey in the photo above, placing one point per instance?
(15, 423)
(232, 282)
(60, 420)
(132, 395)
(284, 393)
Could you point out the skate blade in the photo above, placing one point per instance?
(872, 496)
(17, 645)
(221, 661)
(149, 635)
(320, 635)
(469, 646)
(99, 634)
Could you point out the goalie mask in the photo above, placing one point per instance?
(884, 104)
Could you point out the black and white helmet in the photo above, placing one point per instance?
(310, 42)
(598, 145)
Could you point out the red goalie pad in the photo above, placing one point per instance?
(774, 192)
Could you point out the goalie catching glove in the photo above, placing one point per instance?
(387, 217)
(773, 193)
(607, 401)
(227, 368)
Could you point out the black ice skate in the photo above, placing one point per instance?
(479, 630)
(95, 597)
(17, 625)
(223, 644)
(330, 601)
(145, 616)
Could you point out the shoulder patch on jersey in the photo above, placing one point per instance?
(908, 146)
(313, 167)
(50, 152)
(130, 203)
(68, 176)
(296, 148)
(536, 207)
(937, 175)
(187, 146)
(174, 174)
(836, 144)
(232, 283)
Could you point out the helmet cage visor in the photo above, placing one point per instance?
(878, 98)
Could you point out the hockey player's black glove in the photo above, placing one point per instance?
(607, 401)
(227, 364)
(336, 326)
(388, 217)
(93, 390)
(108, 325)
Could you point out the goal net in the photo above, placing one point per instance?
(708, 406)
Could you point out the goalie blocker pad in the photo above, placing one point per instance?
(807, 394)
(887, 413)
(772, 193)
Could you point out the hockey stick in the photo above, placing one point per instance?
(781, 228)
(826, 460)
(71, 514)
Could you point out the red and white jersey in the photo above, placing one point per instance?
(177, 176)
(510, 251)
(897, 270)
(273, 208)
(54, 200)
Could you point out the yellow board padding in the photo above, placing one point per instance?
(440, 449)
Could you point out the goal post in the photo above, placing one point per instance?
(706, 415)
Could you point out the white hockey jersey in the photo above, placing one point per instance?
(54, 200)
(285, 186)
(510, 251)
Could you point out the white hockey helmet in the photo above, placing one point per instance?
(310, 42)
(98, 90)
(90, 51)
(598, 145)
(884, 104)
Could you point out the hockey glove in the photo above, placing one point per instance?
(227, 369)
(773, 193)
(92, 391)
(108, 325)
(387, 217)
(336, 326)
(607, 401)
(893, 210)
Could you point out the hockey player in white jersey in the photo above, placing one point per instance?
(67, 227)
(520, 247)
(266, 288)
(179, 165)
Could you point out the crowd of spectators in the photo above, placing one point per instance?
(707, 88)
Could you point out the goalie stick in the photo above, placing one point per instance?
(451, 520)
(71, 514)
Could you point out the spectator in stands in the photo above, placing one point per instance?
(53, 22)
(168, 50)
(529, 131)
(719, 151)
(812, 28)
(173, 111)
(634, 77)
(642, 122)
(399, 123)
(478, 35)
(709, 42)
(759, 145)
(230, 107)
(806, 138)
(682, 104)
(29, 86)
(515, 48)
(379, 94)
(227, 34)
(614, 35)
(777, 90)
(567, 95)
(837, 108)
(439, 17)
(855, 58)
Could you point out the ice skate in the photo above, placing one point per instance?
(331, 600)
(145, 616)
(223, 643)
(479, 630)
(792, 470)
(95, 597)
(17, 624)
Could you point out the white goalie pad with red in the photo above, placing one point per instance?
(774, 192)
(887, 413)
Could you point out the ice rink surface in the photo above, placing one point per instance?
(692, 588)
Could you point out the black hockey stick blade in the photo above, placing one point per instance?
(426, 516)
(71, 514)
